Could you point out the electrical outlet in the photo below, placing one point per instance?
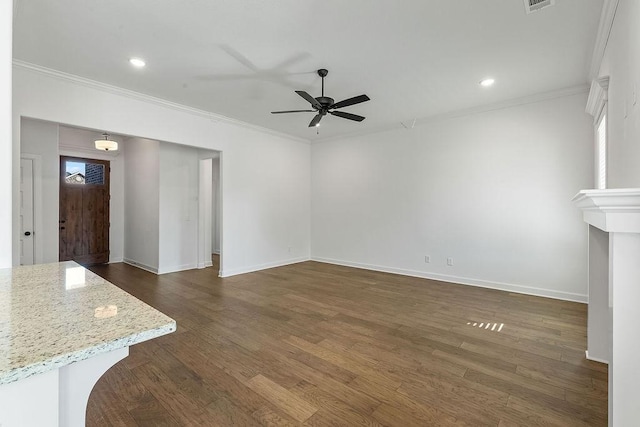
(427, 259)
(289, 249)
(450, 261)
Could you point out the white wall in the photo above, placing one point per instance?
(7, 176)
(80, 143)
(265, 183)
(179, 178)
(621, 64)
(491, 190)
(41, 138)
(142, 202)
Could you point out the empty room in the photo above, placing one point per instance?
(416, 213)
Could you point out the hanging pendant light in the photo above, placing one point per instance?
(106, 144)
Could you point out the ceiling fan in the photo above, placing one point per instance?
(323, 104)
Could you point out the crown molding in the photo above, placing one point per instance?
(115, 90)
(604, 30)
(515, 102)
(597, 96)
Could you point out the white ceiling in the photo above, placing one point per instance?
(243, 59)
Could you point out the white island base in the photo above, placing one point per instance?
(58, 397)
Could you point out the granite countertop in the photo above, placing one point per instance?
(52, 315)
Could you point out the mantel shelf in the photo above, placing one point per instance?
(613, 210)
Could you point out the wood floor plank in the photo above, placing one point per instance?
(331, 410)
(552, 416)
(349, 362)
(182, 406)
(414, 415)
(150, 411)
(358, 400)
(297, 408)
(318, 344)
(270, 417)
(110, 411)
(537, 398)
(223, 412)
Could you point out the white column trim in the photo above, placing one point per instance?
(598, 96)
(604, 30)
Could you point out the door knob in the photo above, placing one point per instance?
(27, 233)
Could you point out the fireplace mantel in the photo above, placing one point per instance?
(615, 210)
(614, 293)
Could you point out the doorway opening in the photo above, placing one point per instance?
(209, 236)
(150, 194)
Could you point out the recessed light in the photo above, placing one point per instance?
(137, 62)
(487, 82)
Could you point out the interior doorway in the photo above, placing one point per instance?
(84, 210)
(216, 211)
(209, 213)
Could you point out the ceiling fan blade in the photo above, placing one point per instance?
(350, 101)
(309, 99)
(347, 115)
(292, 60)
(293, 111)
(239, 57)
(315, 120)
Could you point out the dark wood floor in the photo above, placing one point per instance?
(316, 344)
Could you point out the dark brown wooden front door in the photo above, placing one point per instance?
(84, 210)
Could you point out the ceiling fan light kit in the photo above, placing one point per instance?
(324, 104)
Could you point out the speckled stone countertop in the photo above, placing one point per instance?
(52, 315)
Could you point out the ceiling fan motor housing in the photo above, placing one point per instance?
(325, 101)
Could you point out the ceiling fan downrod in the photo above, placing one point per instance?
(322, 72)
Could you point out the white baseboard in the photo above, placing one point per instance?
(176, 268)
(205, 264)
(595, 359)
(116, 260)
(140, 265)
(234, 272)
(566, 296)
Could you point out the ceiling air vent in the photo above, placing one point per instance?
(535, 5)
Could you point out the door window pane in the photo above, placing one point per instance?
(84, 173)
